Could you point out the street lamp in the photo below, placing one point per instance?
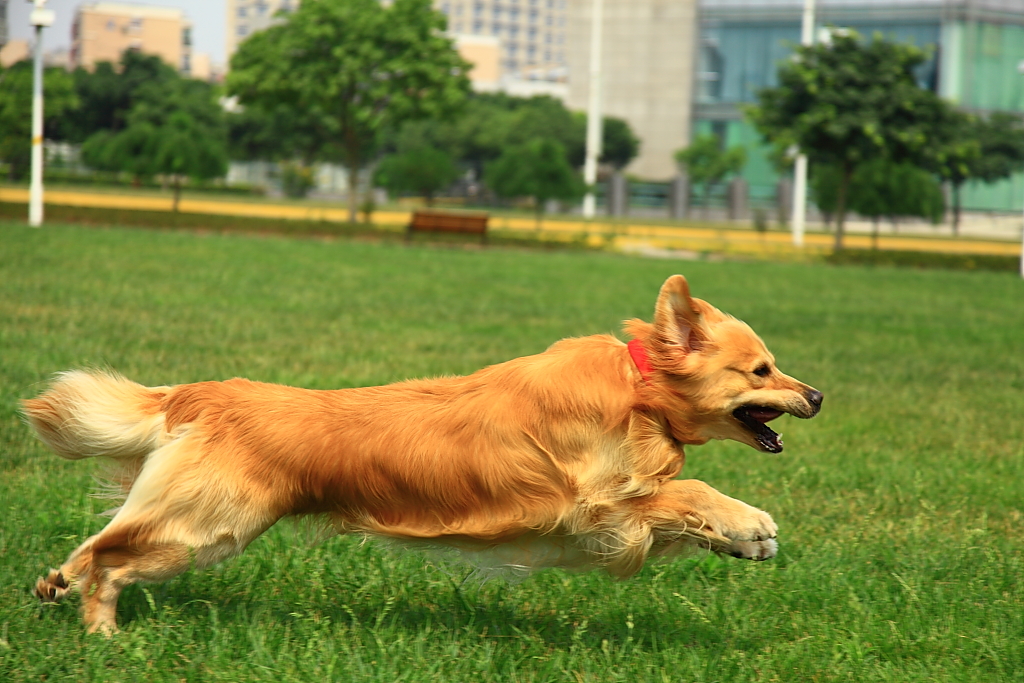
(39, 18)
(593, 110)
(1020, 69)
(800, 169)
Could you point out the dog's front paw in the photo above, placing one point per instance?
(53, 588)
(754, 550)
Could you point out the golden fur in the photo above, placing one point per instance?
(567, 458)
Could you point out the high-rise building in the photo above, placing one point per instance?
(647, 73)
(102, 31)
(3, 23)
(532, 33)
(246, 17)
(974, 48)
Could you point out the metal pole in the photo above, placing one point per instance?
(800, 169)
(593, 110)
(39, 18)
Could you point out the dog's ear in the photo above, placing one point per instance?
(678, 320)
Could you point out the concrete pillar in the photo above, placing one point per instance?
(784, 200)
(618, 194)
(737, 199)
(679, 196)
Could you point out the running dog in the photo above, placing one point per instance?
(568, 458)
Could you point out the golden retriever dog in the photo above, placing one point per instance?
(564, 459)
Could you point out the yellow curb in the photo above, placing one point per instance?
(615, 235)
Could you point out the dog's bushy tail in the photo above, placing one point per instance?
(91, 414)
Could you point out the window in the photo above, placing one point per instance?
(111, 26)
(242, 30)
(186, 36)
(241, 11)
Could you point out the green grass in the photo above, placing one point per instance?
(899, 506)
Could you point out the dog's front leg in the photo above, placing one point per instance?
(690, 510)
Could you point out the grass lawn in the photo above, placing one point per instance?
(899, 506)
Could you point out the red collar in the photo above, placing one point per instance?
(639, 355)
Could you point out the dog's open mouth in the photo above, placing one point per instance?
(755, 418)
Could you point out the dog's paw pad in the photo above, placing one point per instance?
(755, 550)
(52, 588)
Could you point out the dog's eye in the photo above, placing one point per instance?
(762, 370)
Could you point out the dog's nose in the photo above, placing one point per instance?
(814, 397)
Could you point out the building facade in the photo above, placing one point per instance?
(975, 50)
(102, 31)
(647, 73)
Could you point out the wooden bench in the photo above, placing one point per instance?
(427, 220)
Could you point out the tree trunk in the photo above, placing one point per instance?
(177, 193)
(707, 200)
(353, 193)
(844, 187)
(429, 196)
(874, 234)
(956, 209)
(540, 211)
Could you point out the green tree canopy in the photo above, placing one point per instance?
(175, 129)
(421, 169)
(708, 164)
(16, 112)
(352, 68)
(538, 169)
(848, 102)
(107, 93)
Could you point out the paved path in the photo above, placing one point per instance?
(655, 239)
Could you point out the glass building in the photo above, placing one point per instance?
(975, 55)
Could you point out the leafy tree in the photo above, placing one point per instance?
(353, 68)
(16, 112)
(972, 148)
(708, 164)
(107, 93)
(175, 129)
(847, 102)
(882, 188)
(619, 144)
(538, 169)
(421, 169)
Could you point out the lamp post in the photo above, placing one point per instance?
(593, 110)
(800, 169)
(39, 18)
(1020, 69)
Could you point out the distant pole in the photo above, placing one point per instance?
(800, 169)
(39, 18)
(1020, 69)
(593, 110)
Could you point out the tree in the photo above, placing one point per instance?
(538, 169)
(420, 169)
(107, 93)
(175, 129)
(16, 112)
(882, 188)
(972, 148)
(353, 68)
(708, 164)
(845, 102)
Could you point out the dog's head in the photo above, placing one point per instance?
(713, 376)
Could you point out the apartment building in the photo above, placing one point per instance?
(245, 17)
(102, 31)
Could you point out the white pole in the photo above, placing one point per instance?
(1020, 69)
(39, 18)
(593, 110)
(800, 169)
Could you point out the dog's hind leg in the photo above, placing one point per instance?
(179, 514)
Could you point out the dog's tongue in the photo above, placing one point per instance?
(763, 415)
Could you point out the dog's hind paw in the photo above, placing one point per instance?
(53, 588)
(754, 550)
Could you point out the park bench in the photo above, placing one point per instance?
(427, 220)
